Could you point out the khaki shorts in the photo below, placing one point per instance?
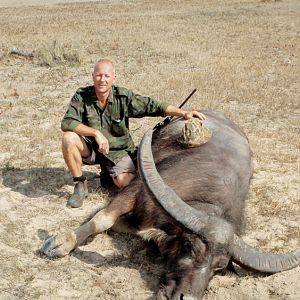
(125, 165)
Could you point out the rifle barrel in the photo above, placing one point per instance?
(188, 97)
(167, 120)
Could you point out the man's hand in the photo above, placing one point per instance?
(195, 114)
(173, 111)
(102, 142)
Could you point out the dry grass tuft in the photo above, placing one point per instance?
(57, 54)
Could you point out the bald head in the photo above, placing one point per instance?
(107, 64)
(103, 76)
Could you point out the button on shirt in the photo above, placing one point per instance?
(113, 120)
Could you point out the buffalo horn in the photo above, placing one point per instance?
(198, 221)
(165, 196)
(263, 261)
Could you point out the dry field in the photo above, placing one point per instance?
(242, 56)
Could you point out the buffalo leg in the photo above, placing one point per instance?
(62, 244)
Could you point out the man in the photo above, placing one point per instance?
(96, 128)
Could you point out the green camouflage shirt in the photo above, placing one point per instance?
(113, 120)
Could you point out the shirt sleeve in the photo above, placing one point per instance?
(73, 115)
(140, 106)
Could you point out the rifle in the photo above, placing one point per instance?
(167, 120)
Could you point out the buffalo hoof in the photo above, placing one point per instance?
(59, 245)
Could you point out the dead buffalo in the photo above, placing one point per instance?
(192, 208)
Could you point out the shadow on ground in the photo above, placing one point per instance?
(38, 182)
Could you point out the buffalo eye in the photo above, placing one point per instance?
(186, 247)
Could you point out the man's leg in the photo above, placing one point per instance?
(123, 172)
(74, 148)
(123, 179)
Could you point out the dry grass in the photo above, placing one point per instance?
(242, 56)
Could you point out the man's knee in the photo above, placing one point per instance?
(70, 139)
(123, 179)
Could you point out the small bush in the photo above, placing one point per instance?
(57, 54)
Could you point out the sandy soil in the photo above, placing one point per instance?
(242, 56)
(18, 3)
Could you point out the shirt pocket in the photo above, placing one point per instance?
(118, 126)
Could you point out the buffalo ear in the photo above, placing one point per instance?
(194, 246)
(170, 246)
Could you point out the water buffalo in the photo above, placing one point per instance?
(192, 208)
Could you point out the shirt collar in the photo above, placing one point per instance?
(109, 99)
(110, 96)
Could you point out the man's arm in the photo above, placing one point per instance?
(72, 121)
(172, 110)
(140, 106)
(101, 140)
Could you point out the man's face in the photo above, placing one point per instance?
(103, 77)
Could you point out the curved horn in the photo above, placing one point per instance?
(199, 221)
(194, 220)
(263, 261)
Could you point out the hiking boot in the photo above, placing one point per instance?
(80, 192)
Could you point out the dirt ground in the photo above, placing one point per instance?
(242, 56)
